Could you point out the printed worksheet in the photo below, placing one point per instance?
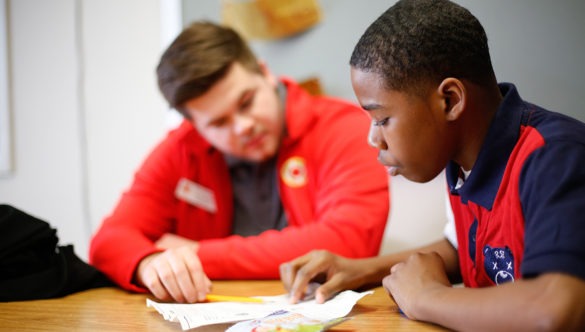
(199, 314)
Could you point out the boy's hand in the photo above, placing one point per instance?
(337, 273)
(413, 280)
(174, 274)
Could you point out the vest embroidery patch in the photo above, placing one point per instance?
(499, 264)
(294, 172)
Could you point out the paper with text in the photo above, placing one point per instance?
(199, 314)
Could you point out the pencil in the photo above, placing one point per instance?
(227, 298)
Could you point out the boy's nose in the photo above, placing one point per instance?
(376, 139)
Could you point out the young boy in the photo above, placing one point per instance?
(515, 175)
(258, 173)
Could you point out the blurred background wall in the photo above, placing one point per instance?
(85, 110)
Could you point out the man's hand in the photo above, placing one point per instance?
(414, 279)
(337, 272)
(176, 273)
(169, 240)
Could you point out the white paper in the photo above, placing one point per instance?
(199, 314)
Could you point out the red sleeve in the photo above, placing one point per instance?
(144, 213)
(347, 197)
(350, 203)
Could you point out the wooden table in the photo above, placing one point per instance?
(112, 309)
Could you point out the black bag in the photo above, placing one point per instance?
(34, 266)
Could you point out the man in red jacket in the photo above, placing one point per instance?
(258, 173)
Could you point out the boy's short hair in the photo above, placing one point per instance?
(200, 56)
(420, 42)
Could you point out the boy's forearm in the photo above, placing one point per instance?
(379, 266)
(551, 302)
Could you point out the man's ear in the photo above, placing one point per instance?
(454, 95)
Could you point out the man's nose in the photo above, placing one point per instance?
(243, 124)
(376, 139)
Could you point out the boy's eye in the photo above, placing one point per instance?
(380, 122)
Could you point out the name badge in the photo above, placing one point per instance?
(196, 195)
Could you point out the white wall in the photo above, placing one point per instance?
(5, 133)
(85, 107)
(125, 114)
(86, 110)
(47, 177)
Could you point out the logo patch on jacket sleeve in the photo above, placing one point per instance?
(294, 172)
(499, 264)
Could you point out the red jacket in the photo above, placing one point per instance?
(340, 201)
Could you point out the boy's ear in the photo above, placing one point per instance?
(454, 96)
